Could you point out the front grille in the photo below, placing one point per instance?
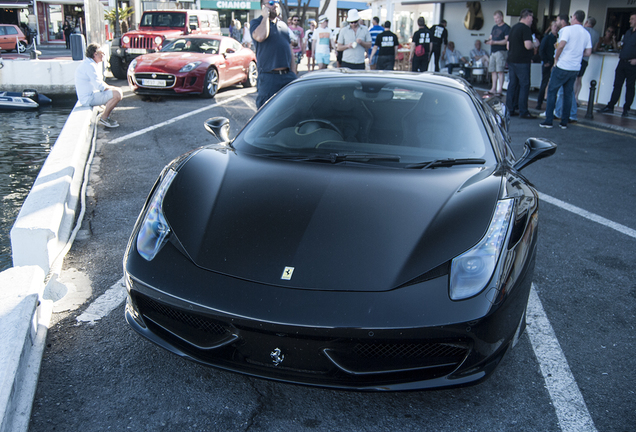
(410, 351)
(145, 42)
(168, 78)
(165, 315)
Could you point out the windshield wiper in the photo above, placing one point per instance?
(334, 157)
(445, 163)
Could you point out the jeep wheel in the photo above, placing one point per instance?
(117, 67)
(210, 84)
(21, 47)
(252, 76)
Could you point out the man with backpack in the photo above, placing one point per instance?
(421, 47)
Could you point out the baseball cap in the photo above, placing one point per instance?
(353, 15)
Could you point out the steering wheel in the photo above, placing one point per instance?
(320, 121)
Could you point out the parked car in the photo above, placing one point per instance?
(193, 64)
(156, 27)
(12, 38)
(363, 231)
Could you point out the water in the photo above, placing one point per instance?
(26, 138)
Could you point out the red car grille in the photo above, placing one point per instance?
(145, 42)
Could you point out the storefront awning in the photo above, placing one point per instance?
(75, 2)
(17, 4)
(342, 4)
(230, 4)
(312, 3)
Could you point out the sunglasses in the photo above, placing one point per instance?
(272, 2)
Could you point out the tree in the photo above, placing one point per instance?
(124, 14)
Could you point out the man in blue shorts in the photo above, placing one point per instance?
(322, 42)
(92, 90)
(274, 56)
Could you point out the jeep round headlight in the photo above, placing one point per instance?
(158, 40)
(126, 39)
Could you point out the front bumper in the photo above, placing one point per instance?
(409, 338)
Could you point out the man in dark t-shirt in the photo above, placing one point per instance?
(520, 50)
(386, 43)
(272, 40)
(498, 42)
(419, 56)
(439, 38)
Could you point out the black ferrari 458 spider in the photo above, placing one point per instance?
(363, 231)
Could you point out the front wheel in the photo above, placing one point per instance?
(117, 67)
(210, 84)
(252, 75)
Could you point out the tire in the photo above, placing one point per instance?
(252, 75)
(210, 83)
(21, 47)
(117, 67)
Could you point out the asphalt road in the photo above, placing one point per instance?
(103, 376)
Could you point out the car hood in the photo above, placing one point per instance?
(169, 61)
(349, 228)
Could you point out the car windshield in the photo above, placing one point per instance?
(406, 121)
(163, 19)
(200, 45)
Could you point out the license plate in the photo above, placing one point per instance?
(137, 51)
(153, 82)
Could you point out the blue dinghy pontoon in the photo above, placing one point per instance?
(28, 99)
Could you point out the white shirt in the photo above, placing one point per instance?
(577, 40)
(88, 80)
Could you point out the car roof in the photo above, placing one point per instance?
(426, 77)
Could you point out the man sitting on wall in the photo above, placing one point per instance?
(92, 90)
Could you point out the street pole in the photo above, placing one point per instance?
(117, 29)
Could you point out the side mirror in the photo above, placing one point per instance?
(219, 127)
(535, 149)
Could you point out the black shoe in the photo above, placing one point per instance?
(528, 116)
(625, 113)
(607, 110)
(546, 125)
(563, 126)
(539, 108)
(514, 114)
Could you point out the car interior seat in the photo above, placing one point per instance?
(348, 113)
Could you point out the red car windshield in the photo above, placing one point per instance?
(163, 19)
(201, 45)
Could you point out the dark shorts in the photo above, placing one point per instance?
(357, 66)
(583, 67)
(269, 83)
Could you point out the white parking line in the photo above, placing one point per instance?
(176, 119)
(566, 397)
(586, 214)
(104, 304)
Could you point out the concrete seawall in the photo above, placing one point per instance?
(38, 237)
(49, 77)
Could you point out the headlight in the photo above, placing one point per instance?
(126, 39)
(471, 271)
(132, 66)
(189, 66)
(154, 229)
(158, 40)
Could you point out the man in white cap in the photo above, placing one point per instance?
(353, 41)
(322, 42)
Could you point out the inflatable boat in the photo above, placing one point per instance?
(28, 99)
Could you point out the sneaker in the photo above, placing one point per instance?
(542, 115)
(546, 125)
(528, 116)
(625, 113)
(562, 126)
(108, 122)
(607, 110)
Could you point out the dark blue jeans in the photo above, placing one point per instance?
(518, 87)
(560, 78)
(269, 83)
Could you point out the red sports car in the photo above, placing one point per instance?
(198, 64)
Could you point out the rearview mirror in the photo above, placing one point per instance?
(535, 149)
(219, 127)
